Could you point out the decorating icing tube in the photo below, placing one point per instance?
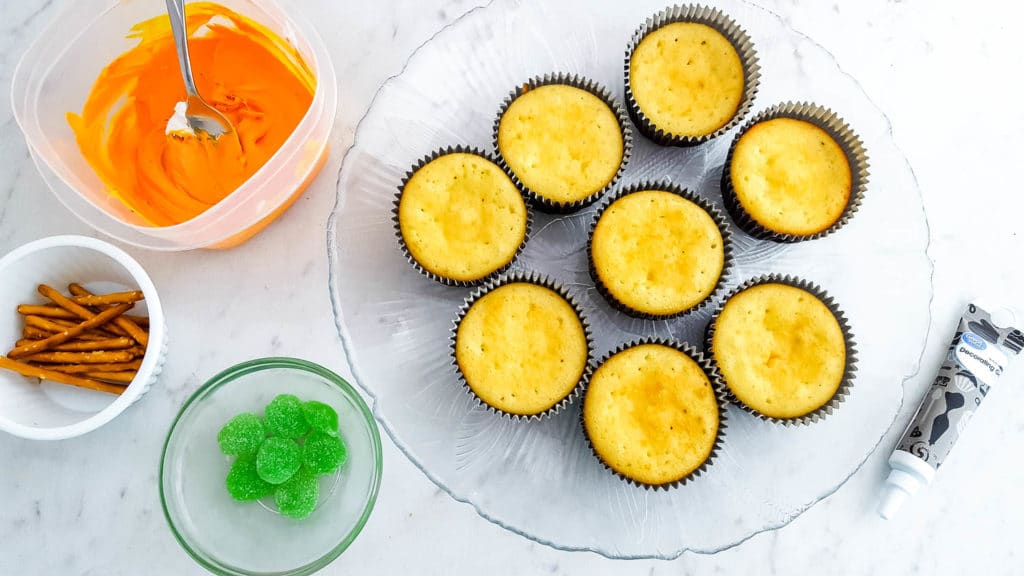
(976, 359)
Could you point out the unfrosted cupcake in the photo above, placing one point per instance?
(658, 251)
(691, 74)
(783, 349)
(460, 218)
(565, 139)
(521, 346)
(651, 413)
(796, 172)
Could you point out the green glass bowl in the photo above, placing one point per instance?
(245, 538)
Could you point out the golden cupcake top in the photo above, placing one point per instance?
(791, 176)
(780, 350)
(562, 142)
(657, 252)
(462, 217)
(651, 414)
(521, 348)
(687, 79)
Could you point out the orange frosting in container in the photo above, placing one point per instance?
(249, 73)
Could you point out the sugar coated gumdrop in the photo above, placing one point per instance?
(244, 483)
(243, 434)
(283, 417)
(323, 453)
(297, 497)
(278, 459)
(321, 417)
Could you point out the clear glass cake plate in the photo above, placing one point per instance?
(538, 478)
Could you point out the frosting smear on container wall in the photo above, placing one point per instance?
(126, 129)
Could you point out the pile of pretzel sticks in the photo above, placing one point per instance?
(82, 339)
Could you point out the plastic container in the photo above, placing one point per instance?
(57, 72)
(52, 411)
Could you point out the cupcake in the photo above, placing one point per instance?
(783, 349)
(522, 347)
(691, 74)
(652, 415)
(565, 139)
(795, 172)
(460, 218)
(658, 251)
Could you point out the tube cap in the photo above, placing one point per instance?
(893, 497)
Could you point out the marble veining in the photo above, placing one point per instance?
(90, 505)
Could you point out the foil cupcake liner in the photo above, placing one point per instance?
(398, 226)
(708, 367)
(843, 135)
(540, 202)
(539, 280)
(665, 186)
(727, 27)
(851, 349)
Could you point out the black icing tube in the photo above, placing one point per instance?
(978, 354)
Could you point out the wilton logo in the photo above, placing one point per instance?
(974, 341)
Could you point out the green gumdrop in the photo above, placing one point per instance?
(321, 417)
(297, 497)
(323, 453)
(283, 417)
(278, 459)
(243, 434)
(243, 483)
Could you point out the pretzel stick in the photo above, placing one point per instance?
(118, 377)
(142, 321)
(87, 345)
(69, 333)
(129, 297)
(91, 345)
(58, 313)
(125, 324)
(92, 336)
(83, 368)
(32, 333)
(47, 324)
(95, 357)
(80, 291)
(137, 351)
(36, 333)
(54, 326)
(44, 374)
(61, 322)
(76, 309)
(45, 311)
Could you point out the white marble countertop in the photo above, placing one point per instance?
(947, 75)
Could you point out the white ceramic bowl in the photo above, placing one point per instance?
(49, 410)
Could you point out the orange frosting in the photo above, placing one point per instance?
(245, 70)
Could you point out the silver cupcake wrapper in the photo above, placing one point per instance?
(727, 27)
(664, 186)
(539, 280)
(546, 204)
(398, 226)
(851, 349)
(839, 130)
(709, 370)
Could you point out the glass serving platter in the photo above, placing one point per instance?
(539, 479)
